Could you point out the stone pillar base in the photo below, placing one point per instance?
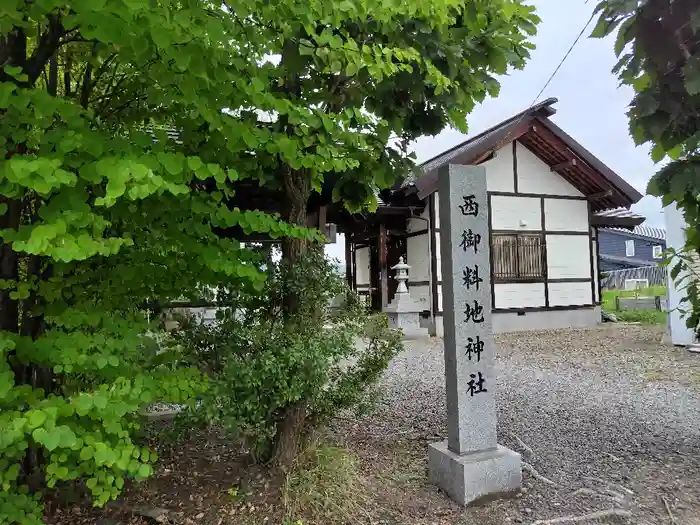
(475, 476)
(404, 320)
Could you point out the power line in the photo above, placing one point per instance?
(561, 63)
(551, 77)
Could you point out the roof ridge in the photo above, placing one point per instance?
(546, 104)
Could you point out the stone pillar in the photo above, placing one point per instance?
(470, 465)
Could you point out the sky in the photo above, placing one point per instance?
(591, 108)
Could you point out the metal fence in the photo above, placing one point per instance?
(615, 280)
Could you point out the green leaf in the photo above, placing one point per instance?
(603, 27)
(36, 418)
(83, 404)
(691, 74)
(194, 163)
(658, 152)
(16, 73)
(67, 438)
(52, 440)
(145, 470)
(6, 91)
(87, 453)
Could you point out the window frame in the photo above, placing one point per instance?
(518, 278)
(660, 250)
(627, 248)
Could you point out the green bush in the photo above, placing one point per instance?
(261, 361)
(77, 429)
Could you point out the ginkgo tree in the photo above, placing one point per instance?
(658, 45)
(128, 126)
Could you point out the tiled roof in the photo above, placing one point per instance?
(619, 213)
(650, 231)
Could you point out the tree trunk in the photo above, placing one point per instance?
(290, 427)
(9, 267)
(289, 435)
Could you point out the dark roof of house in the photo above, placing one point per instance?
(534, 130)
(649, 232)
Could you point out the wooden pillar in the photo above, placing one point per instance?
(349, 261)
(432, 234)
(354, 266)
(322, 213)
(384, 272)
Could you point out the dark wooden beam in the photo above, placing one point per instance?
(602, 195)
(432, 214)
(322, 216)
(348, 262)
(571, 163)
(384, 271)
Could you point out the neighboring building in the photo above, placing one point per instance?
(621, 249)
(547, 198)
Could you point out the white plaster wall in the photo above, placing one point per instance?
(507, 213)
(418, 257)
(499, 170)
(362, 262)
(570, 294)
(566, 215)
(568, 256)
(518, 295)
(439, 256)
(535, 176)
(420, 293)
(414, 225)
(437, 209)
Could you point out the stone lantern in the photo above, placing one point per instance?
(401, 275)
(403, 311)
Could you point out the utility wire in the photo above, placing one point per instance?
(549, 80)
(561, 63)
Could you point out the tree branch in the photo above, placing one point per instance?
(45, 49)
(86, 86)
(66, 73)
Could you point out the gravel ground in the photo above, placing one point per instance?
(610, 416)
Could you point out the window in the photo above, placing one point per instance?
(657, 251)
(629, 248)
(518, 257)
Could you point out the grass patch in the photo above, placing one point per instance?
(405, 468)
(610, 295)
(324, 485)
(647, 317)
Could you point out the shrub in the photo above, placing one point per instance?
(261, 361)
